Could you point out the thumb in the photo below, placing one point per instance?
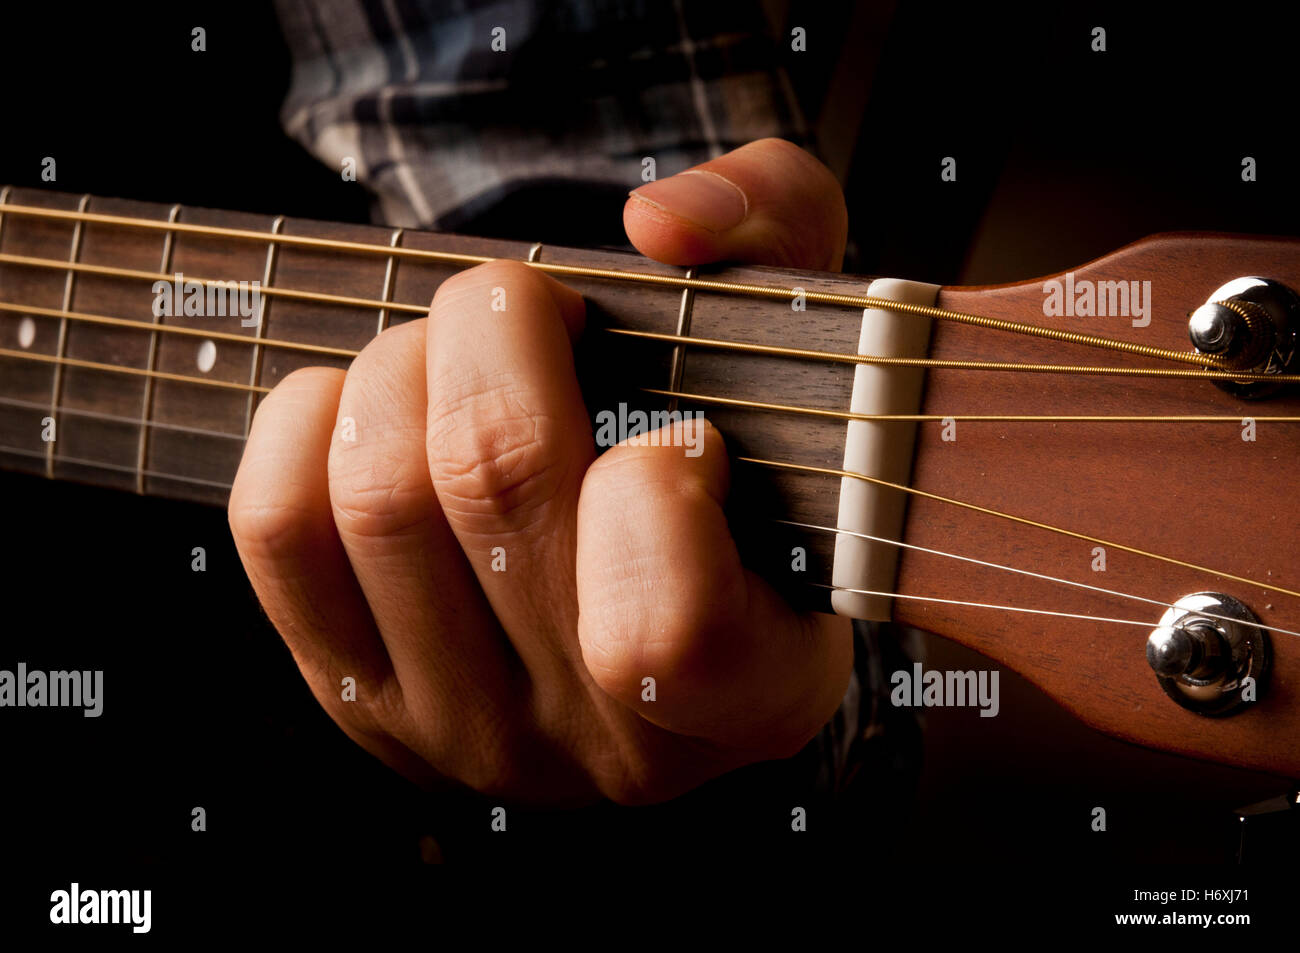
(662, 594)
(766, 203)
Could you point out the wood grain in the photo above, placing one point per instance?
(1196, 492)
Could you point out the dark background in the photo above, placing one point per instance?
(1062, 155)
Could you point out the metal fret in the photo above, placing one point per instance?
(267, 275)
(56, 390)
(146, 406)
(683, 330)
(535, 253)
(389, 272)
(4, 200)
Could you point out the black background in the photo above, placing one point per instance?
(1063, 154)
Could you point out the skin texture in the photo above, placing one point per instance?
(374, 556)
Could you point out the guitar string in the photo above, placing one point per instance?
(714, 343)
(701, 398)
(674, 281)
(119, 419)
(135, 371)
(1022, 572)
(981, 605)
(117, 467)
(830, 471)
(846, 358)
(968, 418)
(597, 273)
(895, 595)
(103, 319)
(226, 486)
(769, 463)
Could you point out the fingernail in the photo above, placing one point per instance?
(705, 198)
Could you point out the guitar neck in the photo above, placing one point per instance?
(124, 365)
(1038, 469)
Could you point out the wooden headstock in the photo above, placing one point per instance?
(1219, 495)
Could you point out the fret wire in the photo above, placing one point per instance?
(968, 418)
(535, 253)
(830, 471)
(726, 287)
(389, 271)
(120, 369)
(313, 296)
(268, 273)
(146, 406)
(683, 330)
(118, 468)
(118, 419)
(56, 388)
(4, 200)
(847, 358)
(175, 329)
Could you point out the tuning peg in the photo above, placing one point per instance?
(1195, 649)
(1204, 649)
(1249, 324)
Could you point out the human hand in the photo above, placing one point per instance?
(374, 557)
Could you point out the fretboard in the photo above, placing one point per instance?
(124, 364)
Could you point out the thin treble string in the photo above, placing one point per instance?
(970, 418)
(846, 358)
(134, 371)
(701, 398)
(674, 281)
(108, 321)
(715, 343)
(117, 468)
(771, 463)
(981, 605)
(830, 471)
(119, 419)
(1024, 572)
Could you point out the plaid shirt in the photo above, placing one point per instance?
(442, 127)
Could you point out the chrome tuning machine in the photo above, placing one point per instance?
(1249, 324)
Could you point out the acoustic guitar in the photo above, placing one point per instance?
(1089, 478)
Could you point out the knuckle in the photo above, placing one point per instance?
(378, 483)
(380, 486)
(379, 708)
(490, 455)
(378, 495)
(269, 527)
(638, 641)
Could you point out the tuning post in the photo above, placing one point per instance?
(1205, 649)
(1249, 324)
